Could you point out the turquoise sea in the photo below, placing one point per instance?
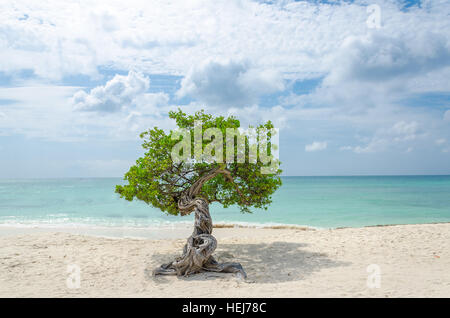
(309, 201)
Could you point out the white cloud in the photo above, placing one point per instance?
(118, 93)
(254, 115)
(38, 111)
(295, 38)
(316, 146)
(345, 148)
(372, 78)
(366, 71)
(379, 57)
(385, 138)
(375, 145)
(442, 142)
(403, 131)
(383, 69)
(229, 83)
(46, 112)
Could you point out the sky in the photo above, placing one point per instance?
(355, 87)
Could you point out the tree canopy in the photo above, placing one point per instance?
(160, 181)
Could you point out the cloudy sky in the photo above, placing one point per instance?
(356, 87)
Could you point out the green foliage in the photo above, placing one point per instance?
(158, 181)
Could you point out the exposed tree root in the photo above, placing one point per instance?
(197, 253)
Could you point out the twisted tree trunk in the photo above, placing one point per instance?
(197, 253)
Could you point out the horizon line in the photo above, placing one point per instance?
(285, 176)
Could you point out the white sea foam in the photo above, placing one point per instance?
(127, 228)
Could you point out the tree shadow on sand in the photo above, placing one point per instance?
(263, 262)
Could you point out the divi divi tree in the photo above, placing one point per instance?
(207, 159)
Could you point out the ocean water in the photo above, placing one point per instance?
(324, 202)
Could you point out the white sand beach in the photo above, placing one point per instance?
(413, 261)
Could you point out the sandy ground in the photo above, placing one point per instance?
(411, 260)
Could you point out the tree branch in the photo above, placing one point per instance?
(228, 175)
